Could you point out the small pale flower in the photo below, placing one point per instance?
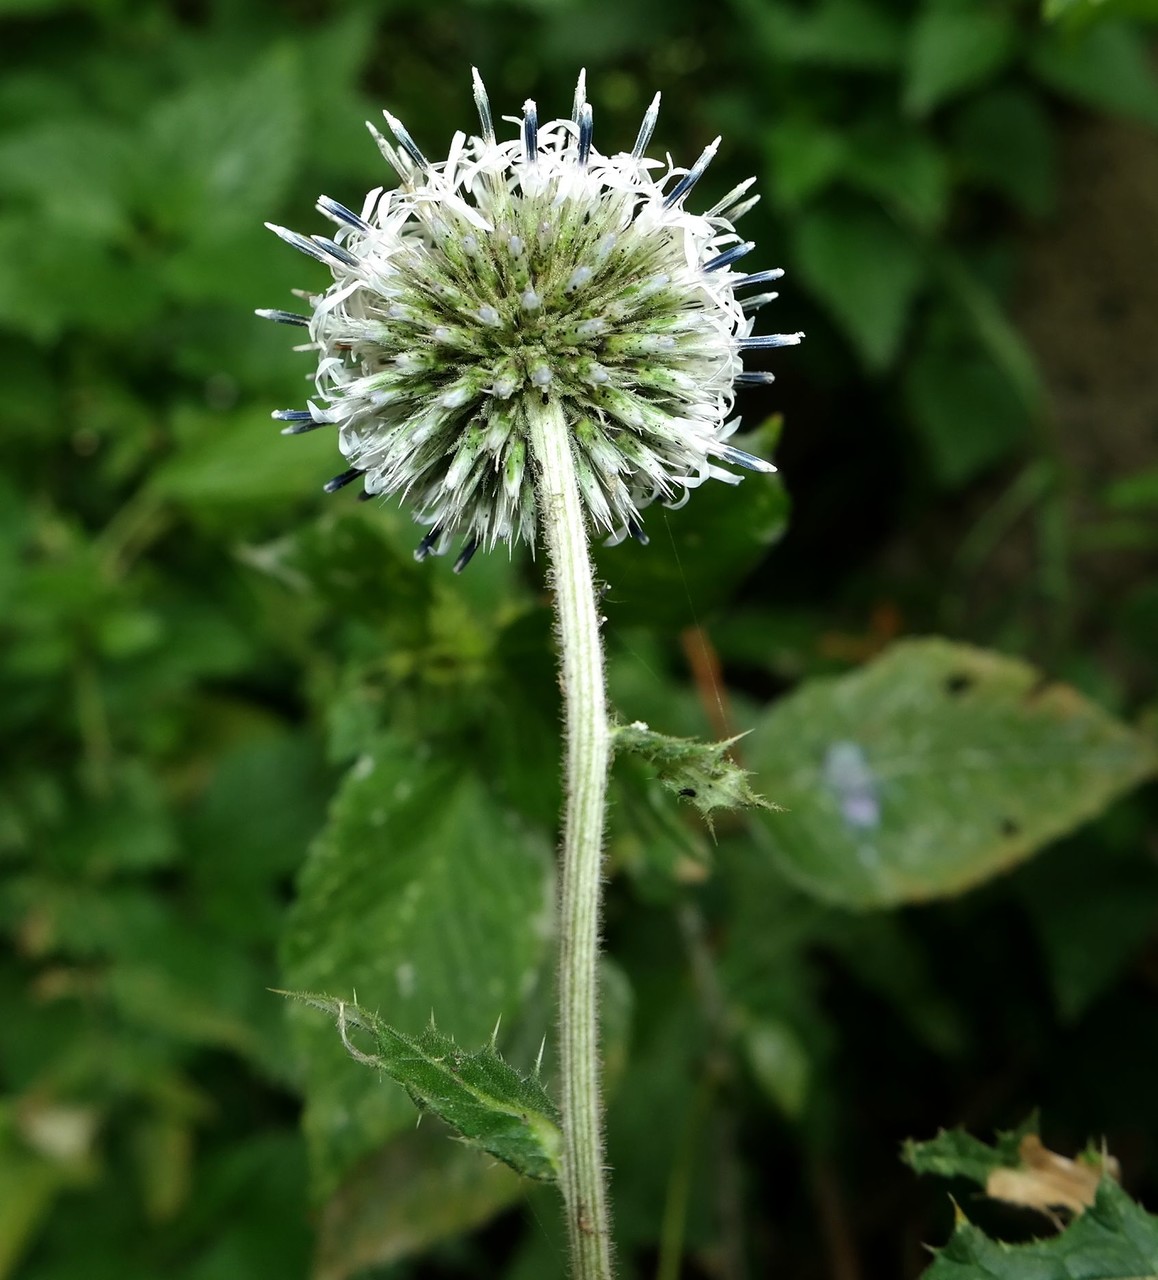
(513, 272)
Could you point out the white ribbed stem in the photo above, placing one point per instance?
(588, 757)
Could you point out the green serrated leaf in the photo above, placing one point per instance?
(702, 772)
(930, 770)
(479, 1094)
(953, 1153)
(1115, 1239)
(421, 894)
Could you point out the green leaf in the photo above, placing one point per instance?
(1108, 68)
(930, 770)
(491, 1104)
(421, 895)
(993, 329)
(953, 1153)
(1138, 492)
(779, 1062)
(1078, 14)
(698, 555)
(232, 460)
(903, 169)
(953, 47)
(127, 829)
(50, 284)
(352, 566)
(75, 172)
(1115, 1239)
(1005, 139)
(865, 270)
(417, 1190)
(702, 772)
(969, 414)
(649, 838)
(804, 156)
(856, 34)
(216, 157)
(1019, 1170)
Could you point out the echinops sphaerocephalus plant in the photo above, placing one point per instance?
(531, 337)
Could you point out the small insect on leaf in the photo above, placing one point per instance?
(702, 772)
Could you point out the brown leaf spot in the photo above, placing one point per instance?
(1046, 1181)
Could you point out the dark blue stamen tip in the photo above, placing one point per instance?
(299, 242)
(531, 131)
(334, 250)
(731, 255)
(405, 141)
(754, 378)
(586, 129)
(301, 420)
(282, 317)
(760, 277)
(637, 533)
(340, 482)
(425, 547)
(693, 175)
(466, 555)
(340, 211)
(763, 341)
(365, 495)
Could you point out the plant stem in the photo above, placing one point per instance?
(588, 756)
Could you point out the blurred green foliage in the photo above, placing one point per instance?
(198, 653)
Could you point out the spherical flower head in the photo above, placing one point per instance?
(515, 272)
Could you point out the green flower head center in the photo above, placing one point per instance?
(567, 297)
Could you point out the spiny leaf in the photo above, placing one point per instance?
(1115, 1239)
(1017, 1169)
(953, 1153)
(701, 772)
(491, 1104)
(423, 892)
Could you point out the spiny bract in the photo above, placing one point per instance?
(517, 271)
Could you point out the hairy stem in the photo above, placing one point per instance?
(588, 756)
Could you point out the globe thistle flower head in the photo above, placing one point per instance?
(513, 273)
